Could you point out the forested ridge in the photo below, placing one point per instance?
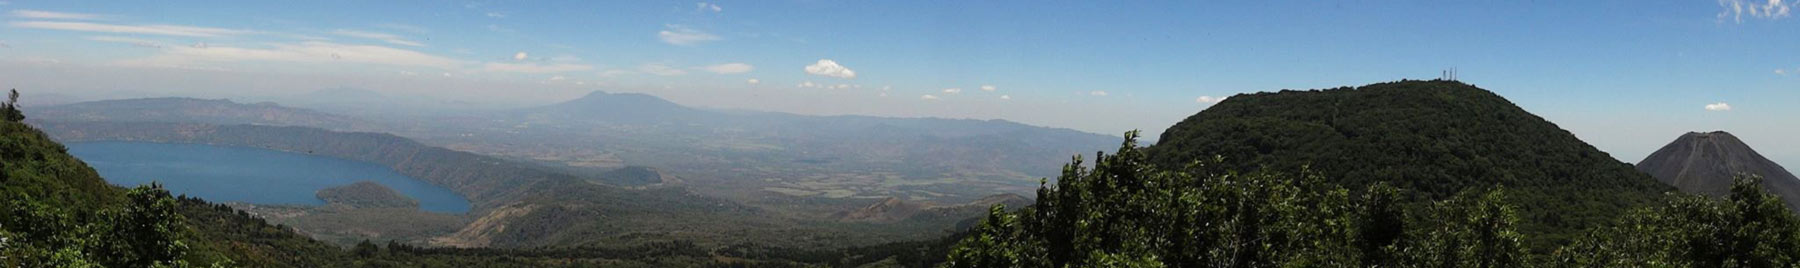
(1434, 138)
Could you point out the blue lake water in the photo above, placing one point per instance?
(251, 175)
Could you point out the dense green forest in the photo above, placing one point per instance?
(1128, 212)
(1434, 138)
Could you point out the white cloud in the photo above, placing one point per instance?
(127, 40)
(928, 97)
(304, 52)
(1780, 72)
(1718, 107)
(1097, 93)
(1208, 99)
(520, 56)
(952, 90)
(1736, 10)
(684, 36)
(989, 88)
(51, 15)
(807, 84)
(384, 37)
(496, 15)
(174, 30)
(558, 78)
(827, 67)
(841, 86)
(660, 69)
(1005, 97)
(534, 67)
(729, 68)
(704, 6)
(753, 81)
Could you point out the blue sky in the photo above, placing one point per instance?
(1626, 76)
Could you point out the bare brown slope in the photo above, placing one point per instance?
(1704, 163)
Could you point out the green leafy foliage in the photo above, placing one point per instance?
(144, 232)
(1126, 212)
(1749, 227)
(9, 110)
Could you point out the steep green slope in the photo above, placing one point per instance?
(58, 211)
(1435, 138)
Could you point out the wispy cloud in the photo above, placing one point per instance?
(1737, 10)
(1005, 97)
(952, 90)
(928, 97)
(403, 27)
(172, 30)
(704, 6)
(729, 68)
(1718, 107)
(989, 88)
(684, 36)
(520, 56)
(753, 81)
(127, 40)
(535, 67)
(1208, 99)
(305, 52)
(1097, 93)
(828, 67)
(52, 15)
(384, 37)
(496, 15)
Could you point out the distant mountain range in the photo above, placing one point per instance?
(191, 110)
(1706, 163)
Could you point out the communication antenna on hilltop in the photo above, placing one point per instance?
(1447, 74)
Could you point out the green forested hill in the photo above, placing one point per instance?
(1435, 138)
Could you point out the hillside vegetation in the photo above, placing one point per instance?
(1434, 138)
(1128, 212)
(366, 194)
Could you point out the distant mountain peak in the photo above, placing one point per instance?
(1706, 162)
